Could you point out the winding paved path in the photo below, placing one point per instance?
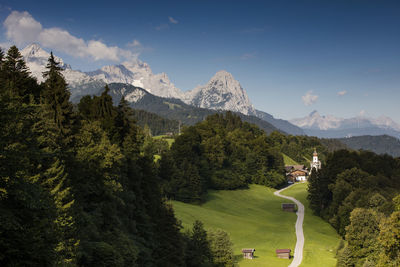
(298, 250)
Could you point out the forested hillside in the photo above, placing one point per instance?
(175, 109)
(158, 125)
(221, 152)
(300, 148)
(77, 188)
(358, 194)
(380, 144)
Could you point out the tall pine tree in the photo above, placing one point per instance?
(55, 97)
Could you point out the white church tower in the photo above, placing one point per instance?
(315, 162)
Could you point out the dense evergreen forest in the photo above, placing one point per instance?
(77, 187)
(380, 144)
(358, 194)
(222, 152)
(157, 125)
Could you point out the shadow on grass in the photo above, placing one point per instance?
(239, 257)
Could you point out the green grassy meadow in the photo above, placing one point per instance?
(288, 160)
(253, 218)
(320, 239)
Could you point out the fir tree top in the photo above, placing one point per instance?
(52, 66)
(15, 63)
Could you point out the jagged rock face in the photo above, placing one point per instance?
(36, 60)
(79, 83)
(316, 121)
(221, 92)
(138, 74)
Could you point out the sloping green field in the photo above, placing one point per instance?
(320, 239)
(288, 160)
(252, 217)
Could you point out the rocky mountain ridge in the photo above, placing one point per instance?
(333, 127)
(222, 92)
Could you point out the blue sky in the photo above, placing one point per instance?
(292, 57)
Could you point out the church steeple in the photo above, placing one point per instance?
(315, 156)
(315, 162)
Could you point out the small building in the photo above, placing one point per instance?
(248, 253)
(296, 173)
(283, 253)
(300, 175)
(291, 207)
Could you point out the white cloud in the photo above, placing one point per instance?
(135, 43)
(309, 98)
(172, 20)
(342, 93)
(22, 28)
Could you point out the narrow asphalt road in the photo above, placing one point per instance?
(298, 250)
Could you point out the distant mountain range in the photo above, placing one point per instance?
(221, 93)
(172, 108)
(156, 93)
(332, 127)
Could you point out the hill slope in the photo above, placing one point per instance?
(381, 144)
(157, 124)
(171, 108)
(252, 217)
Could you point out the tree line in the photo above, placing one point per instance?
(358, 194)
(222, 152)
(76, 186)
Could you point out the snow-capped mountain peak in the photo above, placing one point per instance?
(221, 92)
(139, 74)
(34, 50)
(34, 53)
(136, 73)
(314, 121)
(386, 122)
(36, 59)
